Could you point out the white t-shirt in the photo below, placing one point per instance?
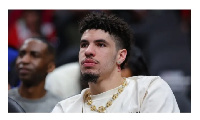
(144, 94)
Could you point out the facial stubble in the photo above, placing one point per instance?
(93, 77)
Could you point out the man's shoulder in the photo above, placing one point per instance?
(13, 91)
(145, 79)
(149, 83)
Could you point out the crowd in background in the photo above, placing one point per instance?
(162, 36)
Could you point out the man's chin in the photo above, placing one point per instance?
(24, 78)
(89, 77)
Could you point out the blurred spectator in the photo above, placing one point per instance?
(29, 24)
(34, 62)
(136, 64)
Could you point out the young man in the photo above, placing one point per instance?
(34, 62)
(104, 49)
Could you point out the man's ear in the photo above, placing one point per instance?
(51, 67)
(121, 56)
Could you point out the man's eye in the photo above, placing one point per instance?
(35, 55)
(101, 45)
(21, 54)
(84, 45)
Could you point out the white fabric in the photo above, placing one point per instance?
(64, 81)
(144, 94)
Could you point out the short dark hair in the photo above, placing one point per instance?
(111, 24)
(50, 49)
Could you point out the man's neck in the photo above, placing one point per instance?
(32, 92)
(105, 84)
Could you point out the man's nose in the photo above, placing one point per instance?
(25, 59)
(90, 51)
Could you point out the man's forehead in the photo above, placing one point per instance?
(96, 31)
(96, 34)
(34, 44)
(33, 40)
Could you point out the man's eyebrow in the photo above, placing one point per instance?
(34, 51)
(101, 40)
(83, 41)
(96, 41)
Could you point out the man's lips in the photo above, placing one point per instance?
(89, 62)
(23, 70)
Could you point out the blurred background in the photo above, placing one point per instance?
(163, 37)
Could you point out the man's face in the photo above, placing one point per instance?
(97, 53)
(32, 62)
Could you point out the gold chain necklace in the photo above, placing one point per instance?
(101, 109)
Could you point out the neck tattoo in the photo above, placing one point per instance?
(102, 109)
